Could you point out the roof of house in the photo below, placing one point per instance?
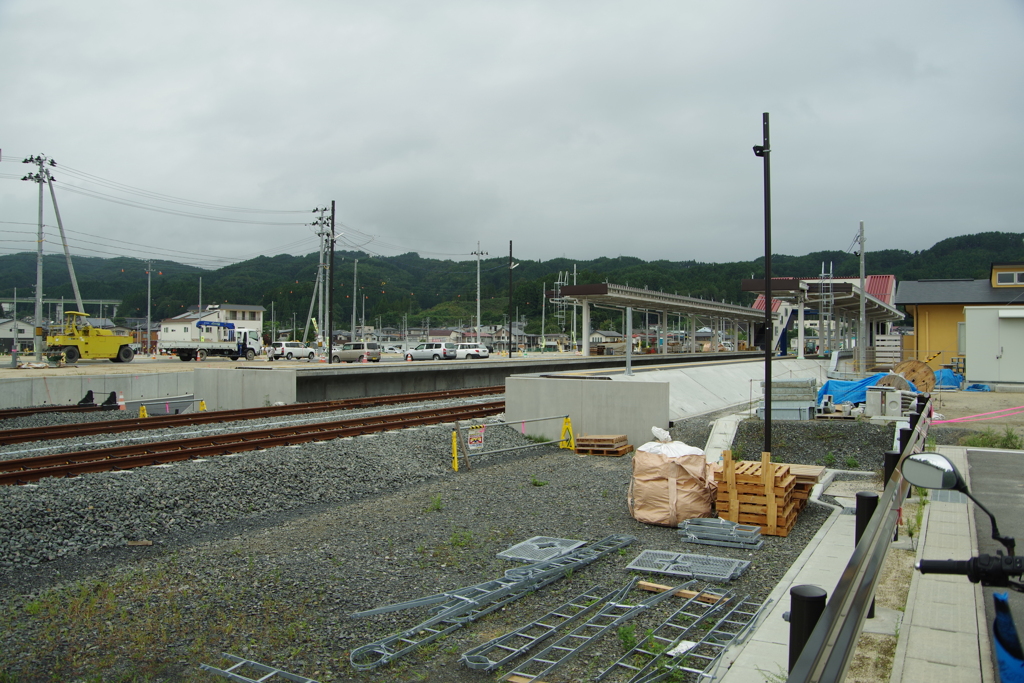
(915, 292)
(608, 333)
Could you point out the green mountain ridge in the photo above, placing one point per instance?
(444, 291)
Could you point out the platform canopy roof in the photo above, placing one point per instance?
(845, 297)
(621, 296)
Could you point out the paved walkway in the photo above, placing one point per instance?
(943, 635)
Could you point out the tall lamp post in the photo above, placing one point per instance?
(764, 151)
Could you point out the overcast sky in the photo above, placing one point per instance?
(577, 129)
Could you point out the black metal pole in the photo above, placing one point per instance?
(764, 151)
(806, 603)
(867, 502)
(330, 296)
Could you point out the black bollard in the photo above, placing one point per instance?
(891, 460)
(905, 435)
(867, 501)
(806, 603)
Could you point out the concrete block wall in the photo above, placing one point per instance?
(594, 406)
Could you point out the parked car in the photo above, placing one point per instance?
(432, 351)
(355, 352)
(394, 349)
(291, 350)
(471, 351)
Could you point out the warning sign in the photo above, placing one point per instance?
(476, 438)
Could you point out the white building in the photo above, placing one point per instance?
(184, 327)
(7, 332)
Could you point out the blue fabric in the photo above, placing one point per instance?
(978, 387)
(1007, 644)
(851, 392)
(947, 379)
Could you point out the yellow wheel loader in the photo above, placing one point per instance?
(78, 339)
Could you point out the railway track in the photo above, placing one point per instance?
(26, 470)
(28, 434)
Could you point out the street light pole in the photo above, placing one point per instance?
(764, 151)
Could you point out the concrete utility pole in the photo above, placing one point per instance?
(355, 278)
(510, 267)
(37, 339)
(149, 305)
(478, 254)
(862, 335)
(330, 294)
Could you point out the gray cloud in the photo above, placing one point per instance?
(573, 128)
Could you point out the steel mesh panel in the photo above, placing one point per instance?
(705, 567)
(540, 548)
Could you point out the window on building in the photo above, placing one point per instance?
(232, 315)
(1010, 278)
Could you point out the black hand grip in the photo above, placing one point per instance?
(944, 566)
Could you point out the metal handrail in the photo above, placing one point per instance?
(828, 652)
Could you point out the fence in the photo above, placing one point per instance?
(828, 651)
(458, 441)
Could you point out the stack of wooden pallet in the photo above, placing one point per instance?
(806, 477)
(607, 444)
(757, 493)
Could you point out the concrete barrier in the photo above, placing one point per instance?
(37, 391)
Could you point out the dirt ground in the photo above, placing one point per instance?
(957, 404)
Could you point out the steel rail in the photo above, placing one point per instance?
(25, 470)
(11, 413)
(29, 434)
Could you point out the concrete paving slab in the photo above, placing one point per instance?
(942, 647)
(886, 622)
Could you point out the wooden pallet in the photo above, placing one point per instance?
(758, 493)
(602, 440)
(603, 444)
(614, 452)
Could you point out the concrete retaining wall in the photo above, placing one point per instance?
(236, 388)
(37, 391)
(594, 406)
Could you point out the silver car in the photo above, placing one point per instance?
(432, 351)
(291, 350)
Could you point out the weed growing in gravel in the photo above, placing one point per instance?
(537, 438)
(435, 504)
(851, 463)
(988, 438)
(461, 538)
(627, 636)
(537, 482)
(829, 460)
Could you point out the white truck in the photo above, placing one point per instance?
(209, 338)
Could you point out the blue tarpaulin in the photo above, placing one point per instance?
(947, 379)
(851, 392)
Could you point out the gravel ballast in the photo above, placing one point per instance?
(265, 554)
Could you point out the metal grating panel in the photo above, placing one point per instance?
(540, 548)
(721, 532)
(703, 567)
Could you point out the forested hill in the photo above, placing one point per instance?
(445, 291)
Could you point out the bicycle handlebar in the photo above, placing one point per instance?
(989, 570)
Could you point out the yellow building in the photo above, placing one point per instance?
(937, 307)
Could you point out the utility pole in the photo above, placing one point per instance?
(149, 305)
(355, 279)
(330, 294)
(862, 334)
(318, 285)
(543, 310)
(510, 267)
(478, 254)
(37, 340)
